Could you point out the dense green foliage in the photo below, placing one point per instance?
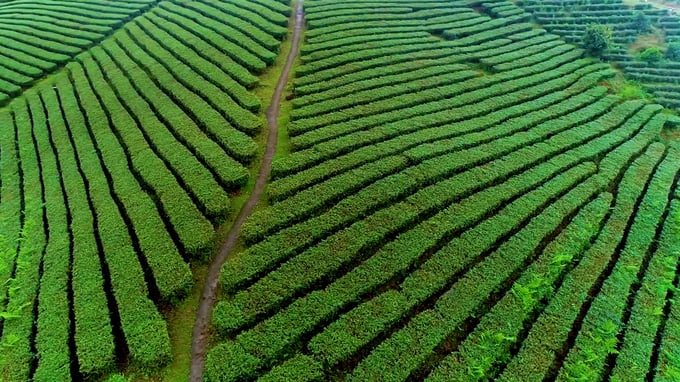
(463, 196)
(673, 51)
(463, 201)
(644, 38)
(597, 39)
(641, 23)
(652, 54)
(116, 170)
(36, 38)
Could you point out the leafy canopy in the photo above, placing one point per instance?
(651, 54)
(673, 51)
(597, 39)
(641, 22)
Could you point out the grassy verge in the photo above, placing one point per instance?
(265, 91)
(181, 318)
(655, 38)
(626, 89)
(180, 321)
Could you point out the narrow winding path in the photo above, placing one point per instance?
(205, 309)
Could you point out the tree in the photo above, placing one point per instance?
(673, 51)
(641, 23)
(597, 39)
(651, 54)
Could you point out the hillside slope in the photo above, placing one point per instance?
(117, 170)
(465, 200)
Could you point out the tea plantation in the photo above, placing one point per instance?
(459, 191)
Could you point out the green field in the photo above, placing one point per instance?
(459, 191)
(631, 37)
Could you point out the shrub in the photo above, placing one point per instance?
(597, 39)
(673, 51)
(641, 22)
(652, 54)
